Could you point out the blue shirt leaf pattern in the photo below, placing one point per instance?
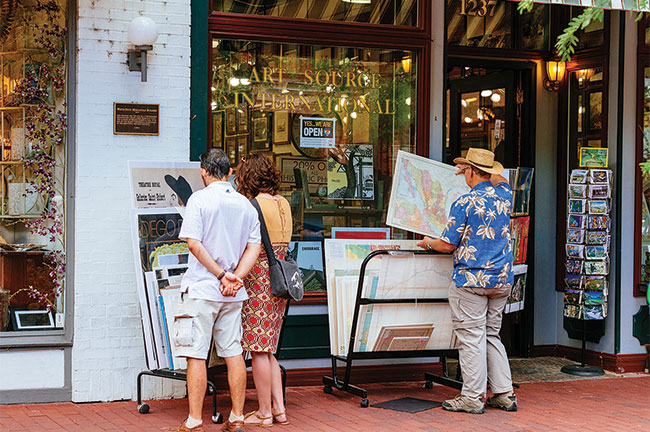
(479, 227)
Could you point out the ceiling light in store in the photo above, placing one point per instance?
(214, 89)
(468, 119)
(463, 102)
(345, 119)
(486, 93)
(408, 101)
(479, 114)
(214, 105)
(495, 97)
(470, 100)
(353, 114)
(581, 110)
(245, 81)
(300, 92)
(234, 81)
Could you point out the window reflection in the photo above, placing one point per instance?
(645, 183)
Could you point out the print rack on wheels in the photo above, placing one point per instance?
(215, 366)
(411, 320)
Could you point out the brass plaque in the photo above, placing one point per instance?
(136, 119)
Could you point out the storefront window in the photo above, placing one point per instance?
(592, 36)
(586, 115)
(32, 166)
(644, 193)
(490, 28)
(262, 91)
(389, 12)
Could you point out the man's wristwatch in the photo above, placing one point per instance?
(429, 245)
(223, 273)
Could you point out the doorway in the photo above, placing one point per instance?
(490, 104)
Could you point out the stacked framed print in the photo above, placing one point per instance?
(588, 243)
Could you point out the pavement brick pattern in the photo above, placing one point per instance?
(616, 404)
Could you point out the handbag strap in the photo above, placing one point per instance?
(266, 241)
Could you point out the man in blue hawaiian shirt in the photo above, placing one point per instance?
(478, 231)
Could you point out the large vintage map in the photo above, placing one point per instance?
(422, 193)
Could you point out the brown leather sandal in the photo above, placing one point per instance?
(260, 418)
(284, 413)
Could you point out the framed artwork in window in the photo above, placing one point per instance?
(242, 118)
(32, 319)
(242, 147)
(280, 127)
(217, 129)
(231, 121)
(260, 141)
(231, 150)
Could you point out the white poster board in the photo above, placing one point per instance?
(163, 184)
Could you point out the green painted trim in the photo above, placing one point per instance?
(305, 336)
(199, 41)
(619, 180)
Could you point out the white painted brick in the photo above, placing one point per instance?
(108, 350)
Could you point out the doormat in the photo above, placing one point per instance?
(407, 404)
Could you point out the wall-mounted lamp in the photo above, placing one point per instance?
(554, 74)
(143, 32)
(406, 64)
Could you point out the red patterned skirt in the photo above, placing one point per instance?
(262, 313)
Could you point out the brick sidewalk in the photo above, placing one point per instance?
(616, 404)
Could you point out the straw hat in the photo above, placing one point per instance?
(482, 159)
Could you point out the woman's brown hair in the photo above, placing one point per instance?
(256, 174)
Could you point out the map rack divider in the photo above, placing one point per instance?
(181, 375)
(344, 385)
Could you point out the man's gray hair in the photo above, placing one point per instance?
(216, 163)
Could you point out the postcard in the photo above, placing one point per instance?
(575, 251)
(572, 311)
(575, 236)
(598, 206)
(595, 252)
(598, 222)
(596, 237)
(576, 221)
(573, 297)
(593, 157)
(594, 312)
(595, 283)
(577, 205)
(579, 176)
(596, 267)
(574, 266)
(593, 298)
(577, 191)
(599, 176)
(599, 191)
(574, 282)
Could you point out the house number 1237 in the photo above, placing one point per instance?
(478, 7)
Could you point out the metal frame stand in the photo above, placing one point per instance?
(330, 382)
(181, 375)
(582, 369)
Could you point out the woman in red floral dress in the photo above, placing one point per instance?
(262, 313)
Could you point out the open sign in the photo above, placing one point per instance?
(317, 132)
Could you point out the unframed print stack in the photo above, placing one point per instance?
(387, 327)
(588, 243)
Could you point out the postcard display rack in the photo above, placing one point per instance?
(394, 306)
(587, 253)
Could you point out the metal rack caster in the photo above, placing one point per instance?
(218, 419)
(327, 389)
(428, 385)
(143, 408)
(364, 403)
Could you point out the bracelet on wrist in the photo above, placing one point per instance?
(223, 273)
(429, 244)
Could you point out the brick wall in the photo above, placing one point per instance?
(108, 349)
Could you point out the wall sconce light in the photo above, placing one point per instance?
(554, 74)
(406, 64)
(143, 32)
(583, 76)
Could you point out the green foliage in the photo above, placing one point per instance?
(566, 42)
(645, 168)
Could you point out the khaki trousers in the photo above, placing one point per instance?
(476, 315)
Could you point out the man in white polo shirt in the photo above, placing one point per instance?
(222, 230)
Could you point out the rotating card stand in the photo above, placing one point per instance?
(582, 369)
(344, 385)
(181, 375)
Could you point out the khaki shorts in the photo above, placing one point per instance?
(198, 321)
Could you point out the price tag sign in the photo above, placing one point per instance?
(316, 132)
